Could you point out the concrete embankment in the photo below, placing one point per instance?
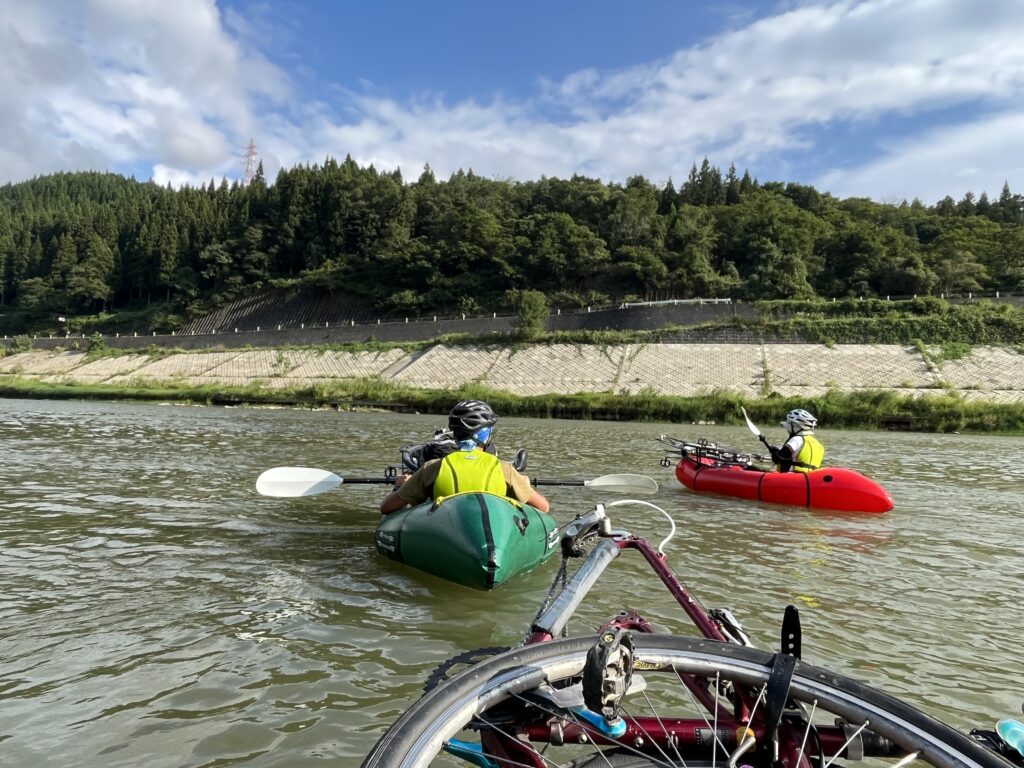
(993, 374)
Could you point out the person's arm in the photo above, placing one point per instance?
(521, 489)
(539, 501)
(410, 489)
(785, 456)
(392, 502)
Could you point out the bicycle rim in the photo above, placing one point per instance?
(479, 695)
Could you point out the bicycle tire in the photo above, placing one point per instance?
(421, 731)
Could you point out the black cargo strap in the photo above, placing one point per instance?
(776, 696)
(791, 633)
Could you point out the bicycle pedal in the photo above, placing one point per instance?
(1012, 734)
(608, 673)
(571, 696)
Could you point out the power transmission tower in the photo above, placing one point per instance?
(252, 160)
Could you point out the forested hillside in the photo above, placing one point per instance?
(90, 242)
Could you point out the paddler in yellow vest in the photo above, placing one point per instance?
(471, 468)
(802, 451)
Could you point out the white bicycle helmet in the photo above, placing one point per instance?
(798, 421)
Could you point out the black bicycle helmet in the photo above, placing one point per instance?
(470, 416)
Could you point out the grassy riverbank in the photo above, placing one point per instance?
(941, 412)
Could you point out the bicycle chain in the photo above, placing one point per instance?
(467, 659)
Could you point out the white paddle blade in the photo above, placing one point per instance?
(296, 481)
(750, 424)
(624, 483)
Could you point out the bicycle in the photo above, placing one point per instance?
(629, 697)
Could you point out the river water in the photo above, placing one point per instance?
(154, 610)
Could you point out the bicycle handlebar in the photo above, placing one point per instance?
(705, 448)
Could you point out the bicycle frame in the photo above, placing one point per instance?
(733, 733)
(579, 694)
(554, 620)
(595, 523)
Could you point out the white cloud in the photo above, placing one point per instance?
(977, 157)
(126, 81)
(754, 96)
(119, 82)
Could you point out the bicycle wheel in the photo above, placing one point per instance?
(515, 709)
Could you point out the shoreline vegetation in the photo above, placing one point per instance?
(871, 409)
(939, 410)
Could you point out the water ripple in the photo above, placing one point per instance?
(159, 612)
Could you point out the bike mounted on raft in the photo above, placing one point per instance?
(705, 467)
(628, 697)
(705, 449)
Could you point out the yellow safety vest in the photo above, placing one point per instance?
(466, 471)
(812, 452)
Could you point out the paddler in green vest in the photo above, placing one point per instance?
(802, 451)
(471, 468)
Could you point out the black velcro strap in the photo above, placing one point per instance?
(791, 633)
(776, 696)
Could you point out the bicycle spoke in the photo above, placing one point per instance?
(673, 742)
(647, 735)
(807, 732)
(520, 703)
(847, 743)
(569, 716)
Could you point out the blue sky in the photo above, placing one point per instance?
(889, 99)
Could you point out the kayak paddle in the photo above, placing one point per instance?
(753, 427)
(306, 481)
(621, 483)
